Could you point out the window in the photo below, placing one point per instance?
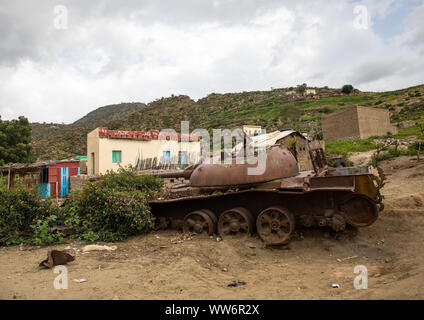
(166, 156)
(116, 156)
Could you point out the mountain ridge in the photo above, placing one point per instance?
(273, 109)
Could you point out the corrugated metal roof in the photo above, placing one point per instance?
(269, 139)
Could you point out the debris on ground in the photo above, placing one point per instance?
(95, 247)
(181, 237)
(80, 280)
(56, 257)
(348, 258)
(335, 285)
(236, 284)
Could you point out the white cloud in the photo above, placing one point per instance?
(110, 53)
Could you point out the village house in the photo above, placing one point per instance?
(357, 123)
(252, 130)
(112, 149)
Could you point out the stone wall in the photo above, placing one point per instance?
(78, 182)
(341, 125)
(357, 123)
(374, 122)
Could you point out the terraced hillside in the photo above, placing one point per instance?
(274, 109)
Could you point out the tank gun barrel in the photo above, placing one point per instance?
(175, 174)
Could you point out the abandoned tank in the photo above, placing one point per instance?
(225, 199)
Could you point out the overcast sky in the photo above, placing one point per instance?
(61, 60)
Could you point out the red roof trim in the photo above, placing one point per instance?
(146, 135)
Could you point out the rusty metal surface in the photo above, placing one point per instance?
(319, 161)
(229, 200)
(199, 222)
(236, 221)
(359, 210)
(280, 163)
(275, 225)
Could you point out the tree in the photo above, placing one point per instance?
(301, 89)
(15, 139)
(347, 88)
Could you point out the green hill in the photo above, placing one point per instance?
(274, 109)
(59, 141)
(108, 113)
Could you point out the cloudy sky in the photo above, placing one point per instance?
(62, 59)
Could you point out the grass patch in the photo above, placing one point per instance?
(343, 147)
(393, 152)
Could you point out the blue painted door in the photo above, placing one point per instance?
(44, 190)
(64, 174)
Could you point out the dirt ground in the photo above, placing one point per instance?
(160, 266)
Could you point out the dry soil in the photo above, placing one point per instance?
(164, 265)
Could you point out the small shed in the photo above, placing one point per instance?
(51, 177)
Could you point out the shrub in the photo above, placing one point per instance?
(393, 152)
(126, 179)
(301, 89)
(347, 89)
(44, 232)
(112, 208)
(20, 214)
(106, 214)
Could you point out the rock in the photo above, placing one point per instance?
(94, 247)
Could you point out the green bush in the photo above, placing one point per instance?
(44, 232)
(20, 214)
(347, 88)
(107, 214)
(126, 179)
(393, 152)
(112, 208)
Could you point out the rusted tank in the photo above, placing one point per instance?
(224, 199)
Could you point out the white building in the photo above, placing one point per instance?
(111, 149)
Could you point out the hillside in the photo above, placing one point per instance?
(59, 141)
(108, 113)
(274, 109)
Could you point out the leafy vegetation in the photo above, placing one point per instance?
(109, 209)
(344, 147)
(347, 89)
(15, 139)
(301, 89)
(24, 217)
(393, 152)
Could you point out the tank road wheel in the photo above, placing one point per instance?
(275, 225)
(236, 221)
(198, 222)
(359, 211)
(213, 218)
